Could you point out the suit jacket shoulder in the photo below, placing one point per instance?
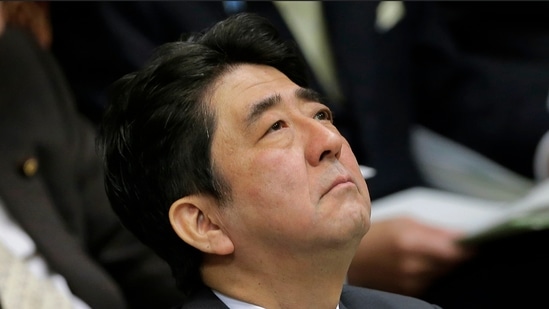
(357, 297)
(203, 299)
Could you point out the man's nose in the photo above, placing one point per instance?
(323, 141)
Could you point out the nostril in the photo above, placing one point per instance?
(324, 154)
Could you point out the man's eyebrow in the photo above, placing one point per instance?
(308, 94)
(257, 109)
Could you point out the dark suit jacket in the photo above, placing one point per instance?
(62, 204)
(351, 297)
(480, 75)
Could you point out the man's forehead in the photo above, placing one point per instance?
(240, 89)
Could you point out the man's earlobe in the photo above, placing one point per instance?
(193, 218)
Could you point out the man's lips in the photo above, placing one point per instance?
(340, 180)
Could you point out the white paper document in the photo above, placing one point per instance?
(480, 219)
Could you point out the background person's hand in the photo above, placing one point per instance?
(32, 16)
(404, 256)
(2, 19)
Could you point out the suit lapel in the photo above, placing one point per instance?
(26, 200)
(204, 299)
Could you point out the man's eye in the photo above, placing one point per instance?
(276, 126)
(279, 125)
(324, 115)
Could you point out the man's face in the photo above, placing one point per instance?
(296, 185)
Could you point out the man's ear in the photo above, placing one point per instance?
(194, 219)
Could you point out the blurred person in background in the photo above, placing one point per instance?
(54, 214)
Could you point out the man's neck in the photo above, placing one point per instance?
(290, 284)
